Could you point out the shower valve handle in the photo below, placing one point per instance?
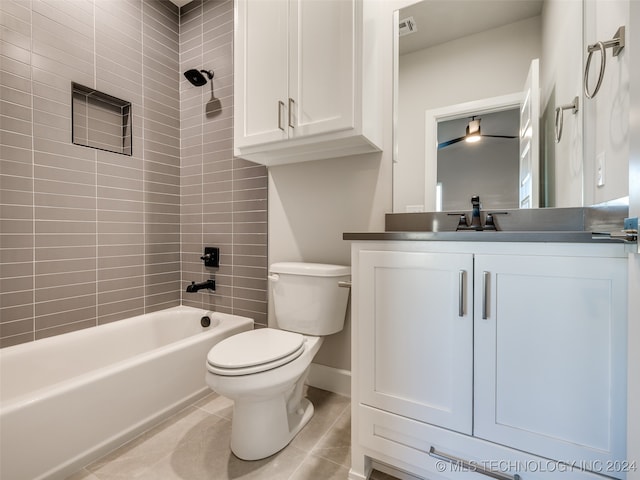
(211, 257)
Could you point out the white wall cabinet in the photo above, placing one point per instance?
(300, 86)
(510, 356)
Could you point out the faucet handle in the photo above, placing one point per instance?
(462, 220)
(211, 257)
(489, 223)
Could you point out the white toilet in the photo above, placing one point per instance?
(263, 371)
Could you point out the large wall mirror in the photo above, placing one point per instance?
(467, 64)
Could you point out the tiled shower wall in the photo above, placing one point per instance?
(89, 237)
(224, 199)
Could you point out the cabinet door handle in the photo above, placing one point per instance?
(280, 107)
(485, 295)
(291, 103)
(461, 282)
(471, 466)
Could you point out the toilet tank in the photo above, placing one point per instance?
(307, 298)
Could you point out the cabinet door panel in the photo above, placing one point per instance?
(321, 78)
(260, 71)
(550, 356)
(415, 348)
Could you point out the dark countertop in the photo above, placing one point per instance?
(550, 225)
(488, 236)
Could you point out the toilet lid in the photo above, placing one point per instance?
(254, 351)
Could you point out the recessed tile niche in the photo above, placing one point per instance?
(100, 120)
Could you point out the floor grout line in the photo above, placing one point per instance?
(304, 461)
(318, 442)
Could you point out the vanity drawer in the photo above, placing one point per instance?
(405, 444)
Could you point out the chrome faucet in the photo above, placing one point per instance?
(194, 287)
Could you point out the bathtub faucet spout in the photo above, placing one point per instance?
(194, 287)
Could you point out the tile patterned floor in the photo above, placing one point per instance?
(194, 445)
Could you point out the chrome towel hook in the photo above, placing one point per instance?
(573, 106)
(617, 44)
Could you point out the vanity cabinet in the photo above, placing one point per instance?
(511, 358)
(550, 355)
(418, 341)
(303, 90)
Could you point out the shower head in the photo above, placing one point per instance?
(196, 78)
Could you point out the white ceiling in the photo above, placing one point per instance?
(441, 21)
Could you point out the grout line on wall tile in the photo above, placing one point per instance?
(95, 158)
(33, 190)
(143, 145)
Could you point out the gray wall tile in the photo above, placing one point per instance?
(89, 242)
(91, 237)
(21, 312)
(14, 51)
(64, 328)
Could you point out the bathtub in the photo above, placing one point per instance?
(69, 399)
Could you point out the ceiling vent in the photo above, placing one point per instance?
(407, 26)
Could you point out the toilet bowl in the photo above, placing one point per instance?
(269, 408)
(263, 371)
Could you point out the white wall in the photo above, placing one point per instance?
(561, 81)
(633, 422)
(607, 115)
(484, 65)
(312, 204)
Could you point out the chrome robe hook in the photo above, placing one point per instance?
(617, 44)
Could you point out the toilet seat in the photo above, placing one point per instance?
(254, 351)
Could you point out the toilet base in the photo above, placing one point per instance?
(269, 408)
(261, 428)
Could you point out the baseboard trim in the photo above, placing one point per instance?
(329, 378)
(356, 476)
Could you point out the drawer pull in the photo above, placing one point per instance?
(485, 295)
(461, 275)
(473, 467)
(290, 113)
(280, 108)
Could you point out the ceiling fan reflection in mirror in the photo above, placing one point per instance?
(472, 134)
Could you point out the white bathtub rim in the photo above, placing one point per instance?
(10, 405)
(106, 326)
(61, 387)
(128, 430)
